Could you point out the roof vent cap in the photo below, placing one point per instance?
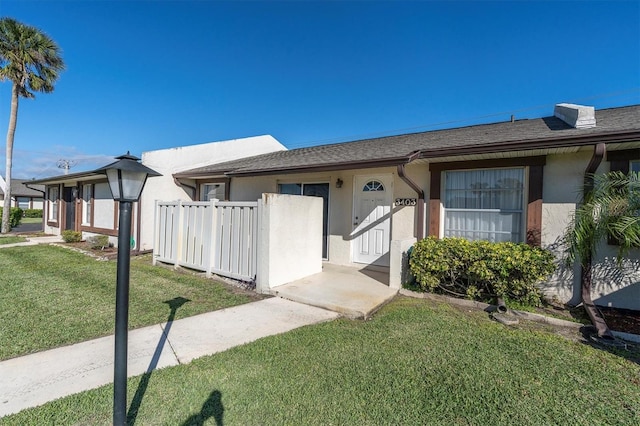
(577, 116)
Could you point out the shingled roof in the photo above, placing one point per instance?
(613, 125)
(19, 189)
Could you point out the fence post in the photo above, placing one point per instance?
(156, 224)
(257, 231)
(177, 232)
(210, 239)
(262, 252)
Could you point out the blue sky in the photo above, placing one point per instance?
(145, 75)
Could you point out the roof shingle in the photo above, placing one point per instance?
(397, 149)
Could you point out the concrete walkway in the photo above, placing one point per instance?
(354, 292)
(32, 241)
(35, 379)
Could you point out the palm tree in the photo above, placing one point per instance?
(31, 61)
(610, 209)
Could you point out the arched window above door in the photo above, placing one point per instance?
(373, 185)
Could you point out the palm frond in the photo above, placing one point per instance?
(610, 209)
(28, 57)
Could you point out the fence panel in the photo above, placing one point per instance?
(236, 240)
(165, 247)
(195, 235)
(187, 235)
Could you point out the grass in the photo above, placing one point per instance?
(31, 220)
(415, 362)
(12, 240)
(53, 296)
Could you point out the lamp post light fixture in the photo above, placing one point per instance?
(126, 180)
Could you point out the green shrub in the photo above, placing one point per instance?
(15, 216)
(32, 213)
(70, 236)
(98, 242)
(481, 270)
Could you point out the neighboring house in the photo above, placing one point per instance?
(511, 181)
(23, 193)
(82, 201)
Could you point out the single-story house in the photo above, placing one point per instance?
(518, 181)
(23, 193)
(82, 201)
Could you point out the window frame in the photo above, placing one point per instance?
(522, 211)
(87, 205)
(53, 205)
(23, 200)
(533, 185)
(200, 184)
(622, 161)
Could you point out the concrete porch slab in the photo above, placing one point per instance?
(353, 292)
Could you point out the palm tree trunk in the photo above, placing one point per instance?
(11, 131)
(592, 310)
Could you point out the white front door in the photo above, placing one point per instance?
(372, 219)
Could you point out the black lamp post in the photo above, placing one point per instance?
(126, 180)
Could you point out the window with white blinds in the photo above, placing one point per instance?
(485, 204)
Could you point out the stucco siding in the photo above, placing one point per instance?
(173, 160)
(340, 219)
(283, 256)
(613, 285)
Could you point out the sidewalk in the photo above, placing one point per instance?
(32, 241)
(35, 379)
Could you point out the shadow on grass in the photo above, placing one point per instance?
(174, 304)
(627, 350)
(212, 407)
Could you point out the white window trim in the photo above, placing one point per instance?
(87, 205)
(53, 202)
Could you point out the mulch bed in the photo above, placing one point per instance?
(624, 320)
(106, 253)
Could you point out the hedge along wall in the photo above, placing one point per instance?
(15, 216)
(480, 269)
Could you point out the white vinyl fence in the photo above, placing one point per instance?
(214, 237)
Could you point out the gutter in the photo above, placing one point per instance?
(388, 162)
(586, 265)
(419, 191)
(525, 145)
(34, 189)
(184, 185)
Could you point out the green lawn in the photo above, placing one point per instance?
(11, 240)
(52, 296)
(31, 220)
(417, 362)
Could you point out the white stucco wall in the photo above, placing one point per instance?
(38, 204)
(103, 207)
(173, 160)
(612, 285)
(403, 225)
(290, 243)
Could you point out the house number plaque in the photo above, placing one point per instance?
(406, 201)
